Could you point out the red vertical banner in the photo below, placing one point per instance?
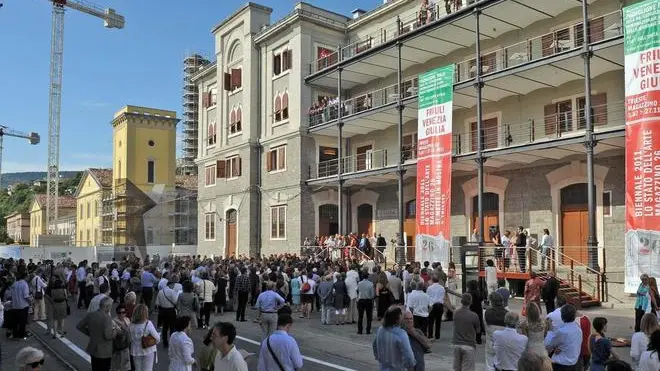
(434, 155)
(642, 90)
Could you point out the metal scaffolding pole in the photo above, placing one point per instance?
(400, 253)
(478, 85)
(589, 141)
(340, 154)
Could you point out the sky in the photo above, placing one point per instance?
(104, 69)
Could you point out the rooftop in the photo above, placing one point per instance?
(102, 176)
(138, 110)
(63, 202)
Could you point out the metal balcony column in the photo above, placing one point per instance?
(480, 160)
(400, 253)
(340, 154)
(589, 141)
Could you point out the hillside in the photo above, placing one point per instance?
(31, 176)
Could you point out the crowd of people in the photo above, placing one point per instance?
(344, 247)
(410, 302)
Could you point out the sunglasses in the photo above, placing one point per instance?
(122, 312)
(36, 364)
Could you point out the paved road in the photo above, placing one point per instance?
(9, 348)
(325, 347)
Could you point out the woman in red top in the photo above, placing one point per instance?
(585, 353)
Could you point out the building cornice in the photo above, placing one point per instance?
(296, 15)
(375, 13)
(238, 13)
(204, 72)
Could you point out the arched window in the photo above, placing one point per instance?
(235, 120)
(235, 52)
(285, 105)
(278, 108)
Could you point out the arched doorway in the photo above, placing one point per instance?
(365, 219)
(491, 207)
(232, 232)
(574, 222)
(328, 220)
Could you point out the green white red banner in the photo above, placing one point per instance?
(434, 154)
(641, 24)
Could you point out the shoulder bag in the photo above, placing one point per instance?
(147, 340)
(272, 353)
(171, 302)
(38, 294)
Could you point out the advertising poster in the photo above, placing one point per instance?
(434, 154)
(641, 24)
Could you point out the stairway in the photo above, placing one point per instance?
(578, 298)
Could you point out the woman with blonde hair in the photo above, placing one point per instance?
(640, 339)
(535, 328)
(144, 354)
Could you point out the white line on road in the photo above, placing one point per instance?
(314, 360)
(71, 345)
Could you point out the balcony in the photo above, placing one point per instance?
(361, 162)
(386, 34)
(519, 56)
(563, 124)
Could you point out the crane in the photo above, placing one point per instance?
(110, 20)
(33, 138)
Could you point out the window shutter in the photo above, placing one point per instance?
(239, 115)
(599, 108)
(596, 29)
(289, 57)
(277, 65)
(269, 161)
(281, 158)
(474, 136)
(205, 100)
(546, 44)
(550, 118)
(235, 78)
(240, 165)
(220, 169)
(227, 81)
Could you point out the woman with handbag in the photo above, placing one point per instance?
(144, 339)
(60, 307)
(37, 286)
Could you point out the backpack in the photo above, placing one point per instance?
(305, 287)
(122, 340)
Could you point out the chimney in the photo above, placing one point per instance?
(357, 13)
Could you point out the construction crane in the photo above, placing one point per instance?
(33, 138)
(110, 20)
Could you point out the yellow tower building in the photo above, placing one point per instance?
(143, 172)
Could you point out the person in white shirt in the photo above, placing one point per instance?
(352, 278)
(436, 293)
(418, 302)
(650, 359)
(37, 287)
(508, 344)
(166, 302)
(206, 291)
(555, 316)
(143, 358)
(181, 346)
(491, 276)
(163, 281)
(640, 340)
(228, 357)
(546, 245)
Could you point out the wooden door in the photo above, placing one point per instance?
(232, 233)
(574, 223)
(491, 133)
(574, 233)
(491, 219)
(365, 214)
(364, 157)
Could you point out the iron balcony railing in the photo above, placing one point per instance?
(569, 38)
(370, 160)
(562, 124)
(387, 33)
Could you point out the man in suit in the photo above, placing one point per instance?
(99, 327)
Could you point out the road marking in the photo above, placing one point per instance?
(311, 359)
(71, 345)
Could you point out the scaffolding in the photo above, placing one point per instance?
(192, 64)
(133, 218)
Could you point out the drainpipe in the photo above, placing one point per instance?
(478, 85)
(340, 154)
(400, 251)
(257, 187)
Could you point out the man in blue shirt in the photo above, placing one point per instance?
(280, 350)
(391, 346)
(148, 282)
(20, 302)
(268, 303)
(565, 342)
